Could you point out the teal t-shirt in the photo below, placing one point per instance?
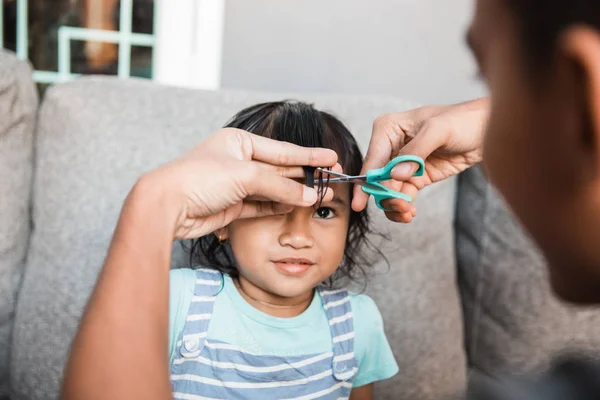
(236, 322)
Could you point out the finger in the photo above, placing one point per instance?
(276, 188)
(328, 196)
(426, 140)
(285, 172)
(256, 209)
(409, 189)
(359, 199)
(386, 138)
(398, 206)
(292, 172)
(378, 154)
(405, 218)
(381, 146)
(401, 205)
(287, 154)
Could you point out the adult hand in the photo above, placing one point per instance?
(448, 138)
(235, 174)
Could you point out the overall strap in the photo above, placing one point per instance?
(208, 284)
(341, 323)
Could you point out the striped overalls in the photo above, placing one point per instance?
(210, 369)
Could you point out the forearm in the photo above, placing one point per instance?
(480, 106)
(120, 351)
(482, 103)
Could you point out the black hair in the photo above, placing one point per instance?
(540, 23)
(300, 123)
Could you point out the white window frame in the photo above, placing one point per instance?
(187, 42)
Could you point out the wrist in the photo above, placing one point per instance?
(154, 204)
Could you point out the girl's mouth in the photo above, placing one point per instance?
(293, 266)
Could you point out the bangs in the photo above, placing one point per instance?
(301, 124)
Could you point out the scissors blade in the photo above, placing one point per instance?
(349, 179)
(333, 173)
(359, 180)
(341, 176)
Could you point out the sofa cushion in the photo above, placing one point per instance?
(18, 107)
(513, 322)
(97, 135)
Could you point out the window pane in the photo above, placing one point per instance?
(141, 62)
(10, 25)
(92, 57)
(143, 16)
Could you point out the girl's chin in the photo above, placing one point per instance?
(291, 290)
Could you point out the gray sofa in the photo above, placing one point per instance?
(465, 292)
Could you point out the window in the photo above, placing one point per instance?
(177, 42)
(67, 38)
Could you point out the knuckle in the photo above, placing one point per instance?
(430, 125)
(235, 142)
(274, 209)
(266, 208)
(433, 127)
(312, 157)
(281, 171)
(249, 172)
(291, 186)
(394, 185)
(393, 216)
(383, 120)
(263, 208)
(251, 169)
(283, 158)
(233, 136)
(392, 205)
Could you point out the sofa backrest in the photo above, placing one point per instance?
(18, 108)
(97, 135)
(513, 322)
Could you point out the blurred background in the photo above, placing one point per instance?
(413, 49)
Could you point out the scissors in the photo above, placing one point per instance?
(370, 182)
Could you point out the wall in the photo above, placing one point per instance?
(412, 49)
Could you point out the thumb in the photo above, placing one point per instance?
(424, 142)
(378, 154)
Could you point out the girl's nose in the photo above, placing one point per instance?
(297, 232)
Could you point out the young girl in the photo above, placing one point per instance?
(266, 318)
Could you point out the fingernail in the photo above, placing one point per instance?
(309, 196)
(338, 168)
(405, 169)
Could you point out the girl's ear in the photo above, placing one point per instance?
(222, 234)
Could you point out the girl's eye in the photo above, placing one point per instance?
(325, 213)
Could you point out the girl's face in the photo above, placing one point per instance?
(290, 255)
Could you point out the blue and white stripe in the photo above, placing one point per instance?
(209, 369)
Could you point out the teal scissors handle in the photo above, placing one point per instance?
(385, 173)
(380, 192)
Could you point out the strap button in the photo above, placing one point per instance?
(191, 345)
(339, 367)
